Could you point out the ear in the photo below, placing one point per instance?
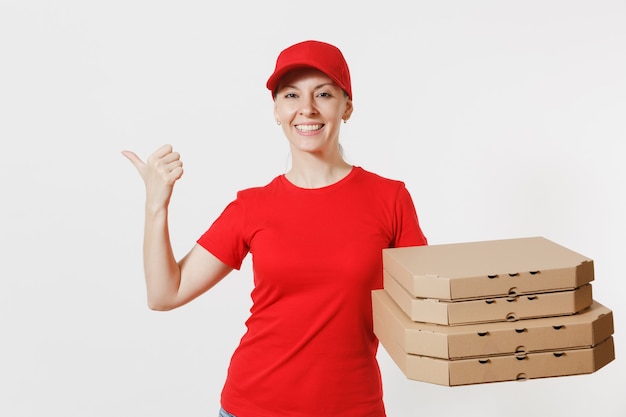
(348, 112)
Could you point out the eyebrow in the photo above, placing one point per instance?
(316, 87)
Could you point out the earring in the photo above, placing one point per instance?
(278, 122)
(345, 121)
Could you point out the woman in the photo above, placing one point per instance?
(316, 235)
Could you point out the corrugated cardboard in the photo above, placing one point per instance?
(494, 309)
(499, 368)
(585, 329)
(487, 269)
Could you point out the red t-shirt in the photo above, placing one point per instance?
(309, 349)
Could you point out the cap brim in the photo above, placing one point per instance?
(272, 82)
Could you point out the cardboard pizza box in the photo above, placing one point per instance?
(584, 329)
(499, 368)
(509, 308)
(488, 268)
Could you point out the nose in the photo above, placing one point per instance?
(307, 106)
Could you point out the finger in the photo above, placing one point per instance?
(171, 165)
(173, 171)
(166, 164)
(170, 158)
(176, 174)
(134, 159)
(162, 151)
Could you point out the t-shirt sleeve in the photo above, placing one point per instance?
(225, 237)
(408, 231)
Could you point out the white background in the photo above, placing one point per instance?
(504, 118)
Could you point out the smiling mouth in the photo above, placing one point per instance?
(309, 128)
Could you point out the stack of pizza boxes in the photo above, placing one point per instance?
(501, 310)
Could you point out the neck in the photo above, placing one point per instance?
(312, 172)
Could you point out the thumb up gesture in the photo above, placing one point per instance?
(159, 173)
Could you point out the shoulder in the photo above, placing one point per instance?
(260, 192)
(377, 180)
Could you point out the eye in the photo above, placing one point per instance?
(290, 95)
(324, 94)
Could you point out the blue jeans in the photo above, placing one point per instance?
(224, 413)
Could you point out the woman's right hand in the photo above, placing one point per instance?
(162, 169)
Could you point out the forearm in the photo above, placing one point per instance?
(162, 272)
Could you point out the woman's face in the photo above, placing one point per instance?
(310, 108)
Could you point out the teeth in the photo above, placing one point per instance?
(308, 128)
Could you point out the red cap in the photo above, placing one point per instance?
(314, 54)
